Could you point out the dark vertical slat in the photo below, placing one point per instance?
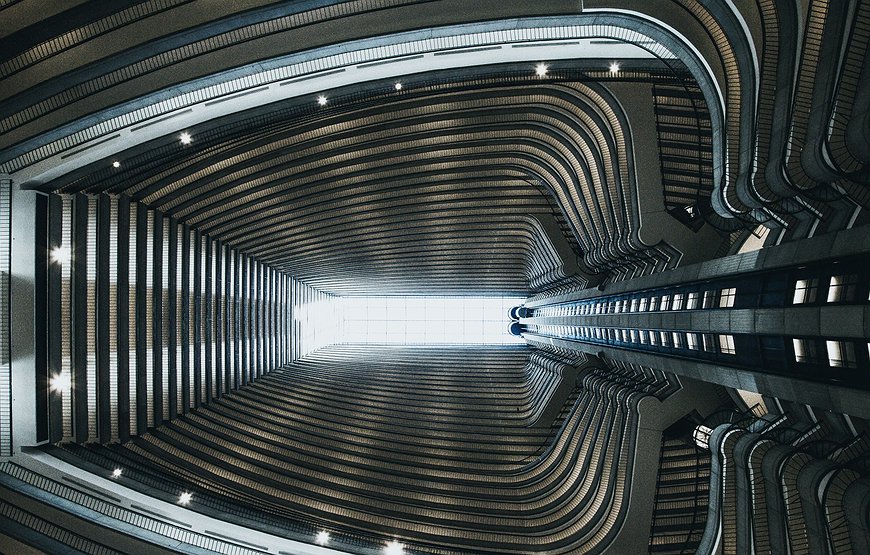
(141, 376)
(185, 318)
(237, 379)
(285, 305)
(252, 338)
(264, 311)
(123, 293)
(197, 319)
(41, 317)
(252, 312)
(55, 234)
(209, 320)
(270, 319)
(171, 315)
(243, 318)
(228, 332)
(279, 324)
(157, 318)
(104, 414)
(258, 347)
(217, 302)
(80, 318)
(293, 349)
(264, 318)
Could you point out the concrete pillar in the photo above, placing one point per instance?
(22, 321)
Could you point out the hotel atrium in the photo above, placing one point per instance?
(398, 277)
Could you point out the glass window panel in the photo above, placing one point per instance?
(804, 350)
(805, 291)
(841, 354)
(727, 296)
(842, 288)
(726, 344)
(709, 299)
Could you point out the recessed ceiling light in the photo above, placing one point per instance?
(394, 548)
(398, 86)
(185, 498)
(185, 138)
(321, 100)
(116, 164)
(614, 67)
(322, 538)
(116, 473)
(541, 69)
(60, 383)
(61, 255)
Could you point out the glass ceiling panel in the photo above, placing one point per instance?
(427, 320)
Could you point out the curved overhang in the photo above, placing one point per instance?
(606, 37)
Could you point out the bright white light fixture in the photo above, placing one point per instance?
(116, 473)
(185, 498)
(321, 100)
(116, 164)
(614, 67)
(61, 255)
(394, 548)
(185, 138)
(541, 69)
(322, 538)
(60, 383)
(398, 86)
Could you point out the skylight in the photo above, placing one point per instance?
(427, 320)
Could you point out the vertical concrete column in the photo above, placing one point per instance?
(22, 280)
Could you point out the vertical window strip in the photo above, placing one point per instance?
(149, 318)
(91, 366)
(261, 320)
(131, 311)
(297, 338)
(230, 277)
(5, 334)
(179, 325)
(239, 371)
(203, 319)
(226, 333)
(276, 321)
(191, 324)
(226, 293)
(276, 295)
(240, 319)
(252, 320)
(113, 318)
(66, 318)
(283, 317)
(213, 324)
(255, 319)
(217, 329)
(267, 339)
(164, 348)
